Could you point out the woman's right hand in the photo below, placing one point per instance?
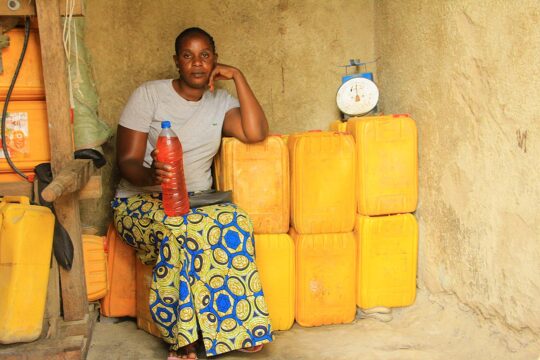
(161, 172)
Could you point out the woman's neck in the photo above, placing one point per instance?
(187, 92)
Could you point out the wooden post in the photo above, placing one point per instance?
(75, 304)
(72, 178)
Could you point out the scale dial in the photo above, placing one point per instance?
(357, 96)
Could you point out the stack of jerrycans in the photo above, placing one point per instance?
(387, 192)
(323, 214)
(27, 134)
(258, 175)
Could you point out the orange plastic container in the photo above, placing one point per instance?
(13, 177)
(387, 155)
(144, 280)
(95, 266)
(26, 235)
(27, 132)
(387, 260)
(322, 182)
(121, 298)
(29, 85)
(275, 259)
(258, 175)
(325, 278)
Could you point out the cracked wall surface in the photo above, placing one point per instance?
(466, 71)
(289, 51)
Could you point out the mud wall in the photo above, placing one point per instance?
(289, 52)
(465, 70)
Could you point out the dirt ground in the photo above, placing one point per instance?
(435, 327)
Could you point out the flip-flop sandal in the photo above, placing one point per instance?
(187, 352)
(177, 357)
(252, 349)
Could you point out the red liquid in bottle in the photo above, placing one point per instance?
(175, 197)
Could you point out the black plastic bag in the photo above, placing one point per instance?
(62, 245)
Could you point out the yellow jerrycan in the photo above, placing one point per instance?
(325, 278)
(26, 235)
(387, 260)
(275, 258)
(323, 194)
(387, 164)
(258, 175)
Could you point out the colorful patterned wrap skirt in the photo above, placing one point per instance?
(204, 277)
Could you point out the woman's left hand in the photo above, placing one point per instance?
(222, 72)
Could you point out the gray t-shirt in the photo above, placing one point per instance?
(198, 124)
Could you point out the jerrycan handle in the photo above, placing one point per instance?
(24, 200)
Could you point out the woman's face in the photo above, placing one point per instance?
(195, 61)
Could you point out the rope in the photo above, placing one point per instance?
(66, 37)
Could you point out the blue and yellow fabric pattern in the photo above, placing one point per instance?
(204, 277)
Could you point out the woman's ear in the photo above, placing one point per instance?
(175, 58)
(215, 58)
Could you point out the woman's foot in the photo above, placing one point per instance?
(252, 349)
(186, 352)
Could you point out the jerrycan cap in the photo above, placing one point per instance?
(165, 124)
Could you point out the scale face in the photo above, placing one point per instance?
(357, 96)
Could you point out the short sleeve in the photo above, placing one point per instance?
(230, 102)
(139, 110)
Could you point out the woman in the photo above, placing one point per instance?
(204, 278)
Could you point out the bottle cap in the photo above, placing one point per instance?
(165, 124)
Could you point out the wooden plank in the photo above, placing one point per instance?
(52, 309)
(82, 327)
(75, 304)
(74, 328)
(22, 188)
(29, 8)
(73, 177)
(45, 349)
(93, 188)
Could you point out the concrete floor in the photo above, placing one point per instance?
(435, 327)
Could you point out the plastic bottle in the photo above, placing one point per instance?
(175, 197)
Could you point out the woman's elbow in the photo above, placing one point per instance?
(255, 138)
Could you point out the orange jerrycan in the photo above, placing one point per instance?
(95, 266)
(322, 182)
(29, 85)
(387, 157)
(325, 278)
(258, 175)
(387, 260)
(144, 318)
(26, 235)
(27, 138)
(275, 259)
(120, 299)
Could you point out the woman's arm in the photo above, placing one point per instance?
(247, 123)
(130, 150)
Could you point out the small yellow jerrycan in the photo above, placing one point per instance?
(26, 235)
